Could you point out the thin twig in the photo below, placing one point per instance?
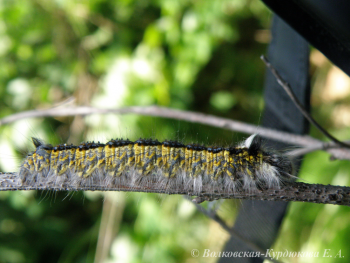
(230, 230)
(194, 117)
(306, 150)
(297, 103)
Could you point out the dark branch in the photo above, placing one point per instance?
(301, 192)
(297, 103)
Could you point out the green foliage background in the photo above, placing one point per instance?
(194, 55)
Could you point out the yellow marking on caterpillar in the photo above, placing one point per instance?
(71, 158)
(129, 154)
(29, 163)
(150, 159)
(54, 160)
(109, 158)
(218, 164)
(118, 164)
(90, 161)
(42, 160)
(100, 156)
(80, 154)
(63, 160)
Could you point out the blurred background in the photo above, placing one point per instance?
(193, 55)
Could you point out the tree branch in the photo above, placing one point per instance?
(194, 117)
(296, 191)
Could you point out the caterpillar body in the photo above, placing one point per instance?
(172, 164)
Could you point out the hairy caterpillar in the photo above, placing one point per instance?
(172, 164)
